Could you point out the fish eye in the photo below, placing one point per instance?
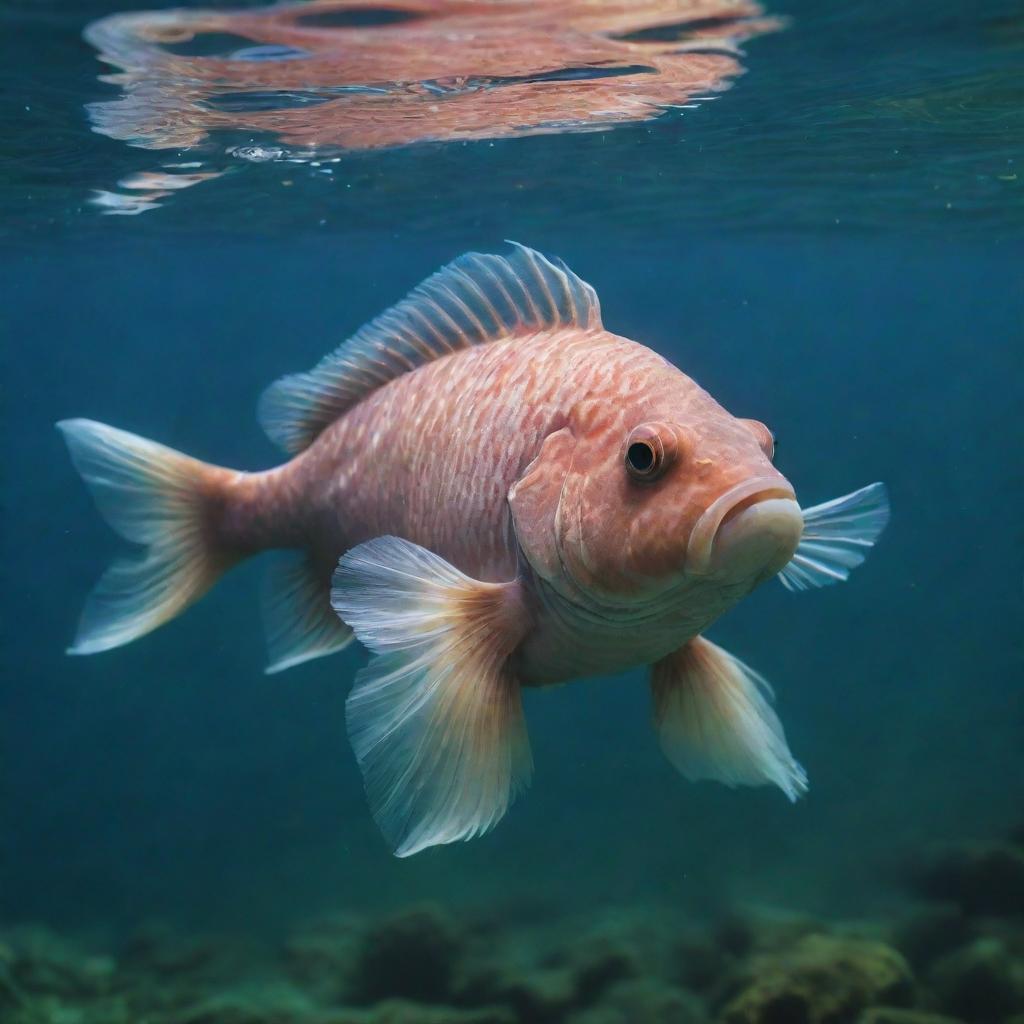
(765, 438)
(641, 457)
(649, 451)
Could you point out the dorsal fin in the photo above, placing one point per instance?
(474, 299)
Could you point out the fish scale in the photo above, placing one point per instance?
(471, 462)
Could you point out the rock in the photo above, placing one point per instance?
(821, 979)
(36, 961)
(323, 958)
(981, 878)
(699, 963)
(599, 962)
(763, 930)
(543, 975)
(891, 1015)
(159, 950)
(267, 1003)
(981, 982)
(410, 955)
(483, 1015)
(930, 932)
(596, 1015)
(223, 1010)
(539, 996)
(400, 1012)
(650, 1001)
(50, 1010)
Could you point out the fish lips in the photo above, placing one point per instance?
(750, 530)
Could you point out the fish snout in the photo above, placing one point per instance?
(750, 530)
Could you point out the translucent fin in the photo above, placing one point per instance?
(837, 537)
(474, 299)
(435, 719)
(298, 619)
(156, 497)
(714, 721)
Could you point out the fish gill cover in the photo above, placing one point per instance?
(339, 75)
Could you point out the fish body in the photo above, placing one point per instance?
(486, 413)
(430, 457)
(492, 492)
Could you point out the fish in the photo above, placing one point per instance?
(493, 493)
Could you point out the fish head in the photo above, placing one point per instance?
(665, 493)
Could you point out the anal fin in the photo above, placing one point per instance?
(435, 719)
(715, 721)
(298, 619)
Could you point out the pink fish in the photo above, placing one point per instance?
(491, 491)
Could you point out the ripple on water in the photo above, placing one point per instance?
(342, 75)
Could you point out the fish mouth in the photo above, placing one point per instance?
(777, 514)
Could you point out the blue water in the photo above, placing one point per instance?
(833, 246)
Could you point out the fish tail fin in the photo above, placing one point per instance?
(162, 500)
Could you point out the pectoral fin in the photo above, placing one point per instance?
(714, 720)
(837, 537)
(435, 719)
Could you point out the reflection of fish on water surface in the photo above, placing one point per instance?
(505, 494)
(143, 190)
(334, 73)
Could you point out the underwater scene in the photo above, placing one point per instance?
(512, 512)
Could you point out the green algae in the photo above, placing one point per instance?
(957, 956)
